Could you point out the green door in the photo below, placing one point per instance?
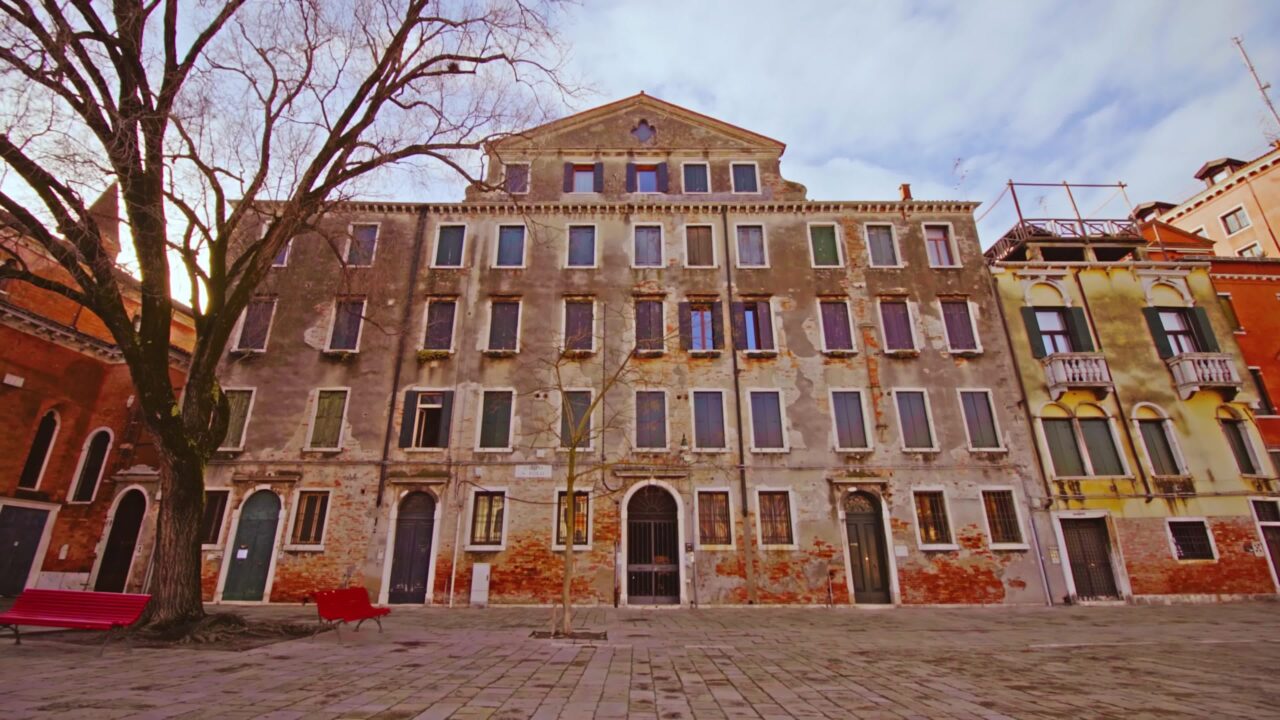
(251, 552)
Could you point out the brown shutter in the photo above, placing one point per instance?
(737, 313)
(446, 415)
(406, 419)
(686, 326)
(764, 312)
(631, 177)
(568, 177)
(662, 177)
(717, 325)
(597, 182)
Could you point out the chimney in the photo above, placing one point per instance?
(905, 189)
(106, 213)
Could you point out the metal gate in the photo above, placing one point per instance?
(1089, 553)
(653, 548)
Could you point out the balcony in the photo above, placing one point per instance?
(1204, 371)
(1077, 371)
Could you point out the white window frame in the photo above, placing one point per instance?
(928, 415)
(764, 240)
(462, 254)
(471, 518)
(946, 505)
(1167, 426)
(893, 236)
(706, 165)
(351, 236)
(453, 330)
(528, 185)
(697, 533)
(511, 420)
(1240, 250)
(591, 438)
(840, 254)
(248, 415)
(666, 418)
(638, 163)
(773, 328)
(595, 246)
(555, 517)
(288, 251)
(791, 510)
(1208, 529)
(84, 455)
(822, 326)
(951, 240)
(573, 179)
(1247, 431)
(972, 308)
(1222, 220)
(295, 502)
(564, 321)
(414, 430)
(342, 424)
(488, 325)
(995, 421)
(1259, 524)
(239, 328)
(662, 246)
(333, 322)
(222, 521)
(693, 419)
(912, 320)
(751, 422)
(524, 246)
(733, 185)
(867, 428)
(48, 453)
(635, 328)
(715, 251)
(986, 521)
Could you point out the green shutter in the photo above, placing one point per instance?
(1157, 332)
(1204, 331)
(1033, 331)
(1078, 328)
(823, 240)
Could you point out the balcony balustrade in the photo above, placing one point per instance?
(1077, 371)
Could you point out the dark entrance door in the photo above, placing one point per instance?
(254, 545)
(1271, 533)
(113, 573)
(866, 548)
(20, 532)
(1089, 553)
(411, 557)
(653, 552)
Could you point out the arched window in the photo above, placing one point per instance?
(1053, 326)
(92, 462)
(1236, 429)
(1081, 444)
(1157, 439)
(38, 455)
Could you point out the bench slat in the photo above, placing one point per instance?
(73, 608)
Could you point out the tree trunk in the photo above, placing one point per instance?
(175, 583)
(571, 507)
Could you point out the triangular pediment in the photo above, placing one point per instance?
(640, 123)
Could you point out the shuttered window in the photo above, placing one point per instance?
(979, 420)
(504, 324)
(510, 246)
(364, 243)
(348, 316)
(1239, 442)
(1191, 540)
(1098, 440)
(238, 402)
(648, 246)
(651, 420)
(649, 326)
(708, 420)
(495, 420)
(1002, 517)
(582, 178)
(1155, 437)
(308, 523)
(775, 518)
(751, 250)
(581, 517)
(215, 506)
(895, 317)
(880, 245)
(449, 245)
(516, 178)
(714, 522)
(579, 325)
(824, 246)
(696, 179)
(326, 428)
(937, 242)
(959, 325)
(1053, 330)
(913, 418)
(1178, 330)
(837, 331)
(699, 250)
(931, 518)
(1060, 434)
(38, 454)
(575, 419)
(256, 324)
(582, 246)
(487, 509)
(744, 178)
(440, 315)
(701, 326)
(646, 179)
(753, 325)
(766, 420)
(428, 415)
(851, 429)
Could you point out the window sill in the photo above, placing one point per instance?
(247, 352)
(650, 353)
(764, 354)
(828, 267)
(701, 267)
(965, 353)
(856, 451)
(650, 450)
(903, 353)
(485, 548)
(647, 267)
(581, 267)
(230, 450)
(704, 353)
(210, 548)
(946, 267)
(716, 548)
(1010, 547)
(887, 267)
(424, 449)
(1196, 561)
(948, 547)
(493, 450)
(425, 355)
(839, 353)
(989, 451)
(576, 548)
(1240, 331)
(753, 267)
(922, 451)
(304, 548)
(787, 546)
(500, 353)
(770, 451)
(1092, 477)
(577, 353)
(339, 354)
(447, 267)
(587, 449)
(327, 451)
(710, 451)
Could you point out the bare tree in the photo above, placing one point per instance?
(229, 128)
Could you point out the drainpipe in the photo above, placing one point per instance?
(747, 548)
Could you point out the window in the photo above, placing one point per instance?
(504, 325)
(239, 402)
(495, 419)
(701, 326)
(895, 319)
(649, 326)
(1178, 330)
(1155, 437)
(824, 246)
(837, 328)
(579, 325)
(1002, 517)
(1238, 439)
(510, 246)
(1064, 451)
(714, 521)
(1229, 309)
(575, 419)
(1252, 250)
(1101, 446)
(1235, 221)
(980, 420)
(450, 240)
(850, 424)
(487, 511)
(646, 178)
(1061, 434)
(363, 245)
(775, 517)
(881, 246)
(708, 420)
(581, 517)
(326, 426)
(515, 178)
(959, 324)
(648, 246)
(913, 419)
(697, 179)
(93, 460)
(215, 507)
(767, 432)
(347, 316)
(1265, 406)
(282, 255)
(38, 455)
(582, 246)
(699, 246)
(255, 324)
(751, 246)
(308, 523)
(753, 326)
(1267, 511)
(439, 334)
(931, 518)
(1191, 540)
(651, 420)
(1054, 336)
(744, 177)
(428, 416)
(582, 178)
(937, 243)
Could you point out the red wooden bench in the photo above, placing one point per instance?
(74, 609)
(345, 605)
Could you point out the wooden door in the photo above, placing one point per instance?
(117, 558)
(1089, 554)
(865, 527)
(254, 545)
(653, 552)
(411, 555)
(20, 531)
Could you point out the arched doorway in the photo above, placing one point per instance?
(653, 548)
(117, 558)
(255, 544)
(411, 555)
(868, 566)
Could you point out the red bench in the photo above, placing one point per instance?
(74, 609)
(345, 605)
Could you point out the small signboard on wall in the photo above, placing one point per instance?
(533, 472)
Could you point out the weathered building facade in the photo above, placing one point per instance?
(784, 400)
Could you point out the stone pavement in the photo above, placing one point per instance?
(1186, 661)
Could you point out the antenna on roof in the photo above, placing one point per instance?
(1262, 87)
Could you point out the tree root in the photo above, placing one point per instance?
(222, 628)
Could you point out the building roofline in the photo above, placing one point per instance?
(1249, 169)
(509, 207)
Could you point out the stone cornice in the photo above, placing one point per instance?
(42, 327)
(483, 207)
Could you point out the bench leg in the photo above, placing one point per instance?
(17, 638)
(105, 639)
